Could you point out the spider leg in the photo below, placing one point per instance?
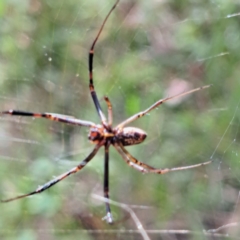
(156, 104)
(142, 167)
(60, 177)
(90, 67)
(110, 113)
(134, 160)
(106, 184)
(51, 116)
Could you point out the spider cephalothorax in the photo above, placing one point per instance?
(96, 134)
(104, 135)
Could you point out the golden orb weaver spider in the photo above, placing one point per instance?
(104, 134)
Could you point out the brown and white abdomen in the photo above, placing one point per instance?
(131, 136)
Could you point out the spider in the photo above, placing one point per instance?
(104, 135)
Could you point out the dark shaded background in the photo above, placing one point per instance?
(148, 49)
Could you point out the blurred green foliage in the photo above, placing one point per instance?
(148, 49)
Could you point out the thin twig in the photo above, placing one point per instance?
(139, 225)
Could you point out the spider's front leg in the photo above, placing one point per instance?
(50, 116)
(60, 177)
(90, 69)
(108, 217)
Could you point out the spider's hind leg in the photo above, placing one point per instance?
(145, 168)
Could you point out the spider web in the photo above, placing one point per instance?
(146, 51)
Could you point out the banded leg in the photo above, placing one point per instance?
(60, 177)
(110, 113)
(51, 116)
(156, 104)
(108, 217)
(90, 67)
(134, 160)
(142, 167)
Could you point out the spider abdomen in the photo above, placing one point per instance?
(131, 136)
